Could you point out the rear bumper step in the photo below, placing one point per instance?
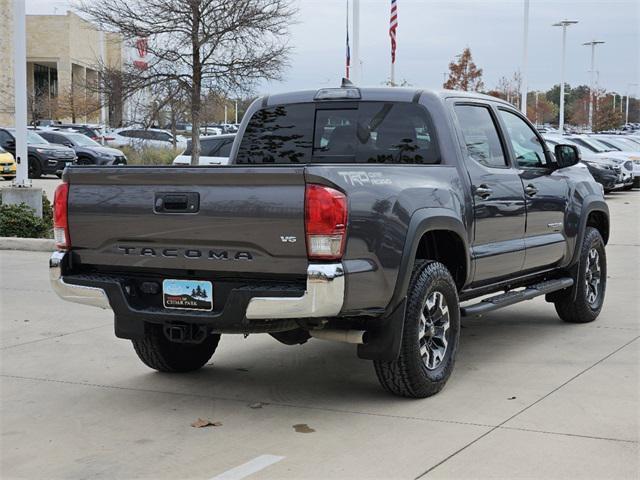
(513, 297)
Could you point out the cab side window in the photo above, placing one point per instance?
(480, 135)
(526, 145)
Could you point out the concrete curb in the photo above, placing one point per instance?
(27, 244)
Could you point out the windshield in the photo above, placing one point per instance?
(34, 138)
(622, 144)
(595, 145)
(574, 141)
(83, 140)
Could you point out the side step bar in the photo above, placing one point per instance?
(513, 297)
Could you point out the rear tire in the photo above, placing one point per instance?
(35, 168)
(590, 283)
(157, 352)
(430, 336)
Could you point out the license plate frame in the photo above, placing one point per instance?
(179, 294)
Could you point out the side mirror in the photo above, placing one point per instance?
(9, 144)
(567, 155)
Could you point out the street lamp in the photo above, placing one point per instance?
(564, 24)
(626, 116)
(593, 44)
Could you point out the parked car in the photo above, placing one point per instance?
(139, 138)
(7, 165)
(593, 154)
(44, 157)
(629, 146)
(208, 130)
(89, 152)
(215, 150)
(604, 171)
(623, 159)
(357, 215)
(94, 132)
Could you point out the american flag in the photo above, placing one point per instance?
(393, 26)
(348, 59)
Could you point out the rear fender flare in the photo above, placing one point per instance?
(423, 221)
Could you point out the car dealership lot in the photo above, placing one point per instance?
(530, 396)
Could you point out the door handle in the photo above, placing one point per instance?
(530, 190)
(483, 191)
(177, 202)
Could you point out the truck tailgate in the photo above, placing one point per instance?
(247, 219)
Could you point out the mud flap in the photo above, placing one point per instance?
(129, 328)
(383, 340)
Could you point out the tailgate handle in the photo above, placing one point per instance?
(178, 202)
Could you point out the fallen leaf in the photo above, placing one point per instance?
(511, 398)
(201, 423)
(303, 428)
(257, 405)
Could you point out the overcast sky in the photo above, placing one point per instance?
(432, 32)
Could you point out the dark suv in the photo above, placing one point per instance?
(88, 151)
(44, 157)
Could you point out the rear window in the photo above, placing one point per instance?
(365, 132)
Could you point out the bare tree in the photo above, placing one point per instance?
(201, 45)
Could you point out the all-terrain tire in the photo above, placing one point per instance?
(579, 309)
(35, 168)
(408, 375)
(161, 354)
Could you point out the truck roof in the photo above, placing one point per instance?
(397, 94)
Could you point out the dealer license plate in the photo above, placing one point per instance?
(187, 294)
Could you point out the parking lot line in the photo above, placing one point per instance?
(497, 427)
(249, 468)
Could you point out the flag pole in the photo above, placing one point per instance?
(393, 26)
(348, 53)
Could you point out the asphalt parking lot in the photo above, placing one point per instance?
(531, 397)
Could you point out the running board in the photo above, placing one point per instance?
(513, 297)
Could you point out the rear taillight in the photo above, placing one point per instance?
(325, 222)
(60, 218)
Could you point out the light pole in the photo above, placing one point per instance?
(356, 69)
(626, 115)
(592, 44)
(564, 24)
(525, 42)
(20, 88)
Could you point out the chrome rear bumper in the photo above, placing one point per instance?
(95, 297)
(323, 296)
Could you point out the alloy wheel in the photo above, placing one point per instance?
(433, 330)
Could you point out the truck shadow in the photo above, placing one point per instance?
(262, 370)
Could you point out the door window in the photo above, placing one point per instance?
(527, 147)
(480, 135)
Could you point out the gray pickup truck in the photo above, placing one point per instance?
(362, 215)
